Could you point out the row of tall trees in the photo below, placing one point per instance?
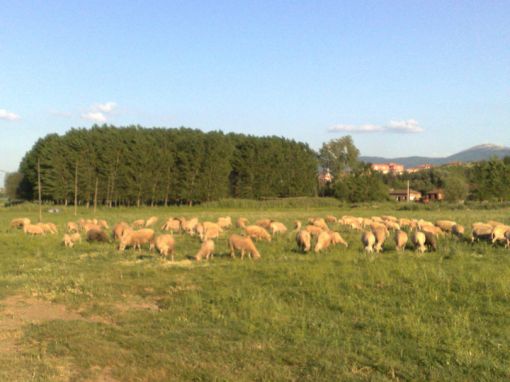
(134, 166)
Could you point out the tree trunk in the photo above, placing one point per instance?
(39, 188)
(95, 195)
(76, 189)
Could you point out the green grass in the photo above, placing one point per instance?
(338, 315)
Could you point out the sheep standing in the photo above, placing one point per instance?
(165, 245)
(380, 233)
(71, 239)
(368, 240)
(72, 227)
(225, 222)
(277, 228)
(97, 235)
(151, 221)
(120, 229)
(401, 239)
(135, 239)
(205, 251)
(19, 223)
(242, 244)
(32, 229)
(304, 240)
(138, 223)
(419, 240)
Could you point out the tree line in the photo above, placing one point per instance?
(159, 166)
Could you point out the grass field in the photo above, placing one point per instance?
(90, 313)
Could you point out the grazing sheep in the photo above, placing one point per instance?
(323, 241)
(241, 221)
(48, 227)
(277, 228)
(458, 231)
(242, 244)
(72, 227)
(319, 222)
(391, 225)
(430, 241)
(499, 233)
(336, 238)
(138, 223)
(436, 231)
(419, 239)
(400, 240)
(494, 223)
(331, 219)
(173, 225)
(265, 223)
(257, 232)
(71, 239)
(165, 245)
(119, 229)
(403, 222)
(205, 251)
(19, 223)
(189, 226)
(368, 240)
(445, 225)
(304, 240)
(225, 222)
(135, 239)
(481, 231)
(97, 235)
(380, 234)
(103, 224)
(314, 230)
(32, 229)
(91, 226)
(151, 221)
(211, 232)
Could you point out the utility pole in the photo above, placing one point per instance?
(408, 192)
(39, 188)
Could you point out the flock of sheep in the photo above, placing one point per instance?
(317, 233)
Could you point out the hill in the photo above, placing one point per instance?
(473, 154)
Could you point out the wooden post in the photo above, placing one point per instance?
(76, 189)
(408, 192)
(95, 195)
(39, 188)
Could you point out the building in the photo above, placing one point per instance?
(325, 176)
(435, 195)
(421, 167)
(388, 168)
(401, 195)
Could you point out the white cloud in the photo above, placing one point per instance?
(8, 115)
(99, 112)
(106, 107)
(408, 126)
(95, 116)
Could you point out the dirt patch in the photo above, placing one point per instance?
(18, 310)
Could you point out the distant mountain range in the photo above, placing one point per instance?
(476, 153)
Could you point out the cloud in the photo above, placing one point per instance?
(106, 107)
(408, 126)
(8, 115)
(99, 112)
(95, 116)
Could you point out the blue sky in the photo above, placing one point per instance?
(402, 77)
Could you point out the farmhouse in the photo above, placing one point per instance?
(388, 168)
(421, 167)
(401, 195)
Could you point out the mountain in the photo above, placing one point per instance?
(473, 154)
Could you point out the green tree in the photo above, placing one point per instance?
(339, 155)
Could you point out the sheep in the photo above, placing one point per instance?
(445, 225)
(48, 227)
(225, 222)
(241, 221)
(336, 238)
(323, 241)
(277, 228)
(242, 244)
(19, 223)
(211, 233)
(138, 223)
(404, 222)
(72, 227)
(391, 225)
(189, 226)
(314, 230)
(97, 235)
(494, 223)
(380, 234)
(368, 240)
(400, 240)
(331, 219)
(205, 251)
(458, 231)
(499, 233)
(303, 240)
(91, 226)
(151, 221)
(389, 218)
(32, 229)
(103, 224)
(165, 245)
(481, 231)
(257, 232)
(265, 223)
(436, 231)
(172, 225)
(119, 229)
(135, 239)
(419, 239)
(430, 241)
(319, 222)
(70, 239)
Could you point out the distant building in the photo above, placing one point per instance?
(435, 195)
(401, 195)
(388, 168)
(421, 167)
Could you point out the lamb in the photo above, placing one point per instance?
(138, 223)
(205, 251)
(72, 227)
(225, 222)
(71, 239)
(303, 240)
(277, 228)
(119, 229)
(189, 226)
(135, 239)
(256, 232)
(20, 223)
(400, 240)
(242, 244)
(32, 229)
(172, 225)
(368, 240)
(165, 245)
(419, 240)
(97, 235)
(151, 221)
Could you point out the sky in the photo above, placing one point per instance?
(402, 77)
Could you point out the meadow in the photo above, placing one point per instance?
(93, 314)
